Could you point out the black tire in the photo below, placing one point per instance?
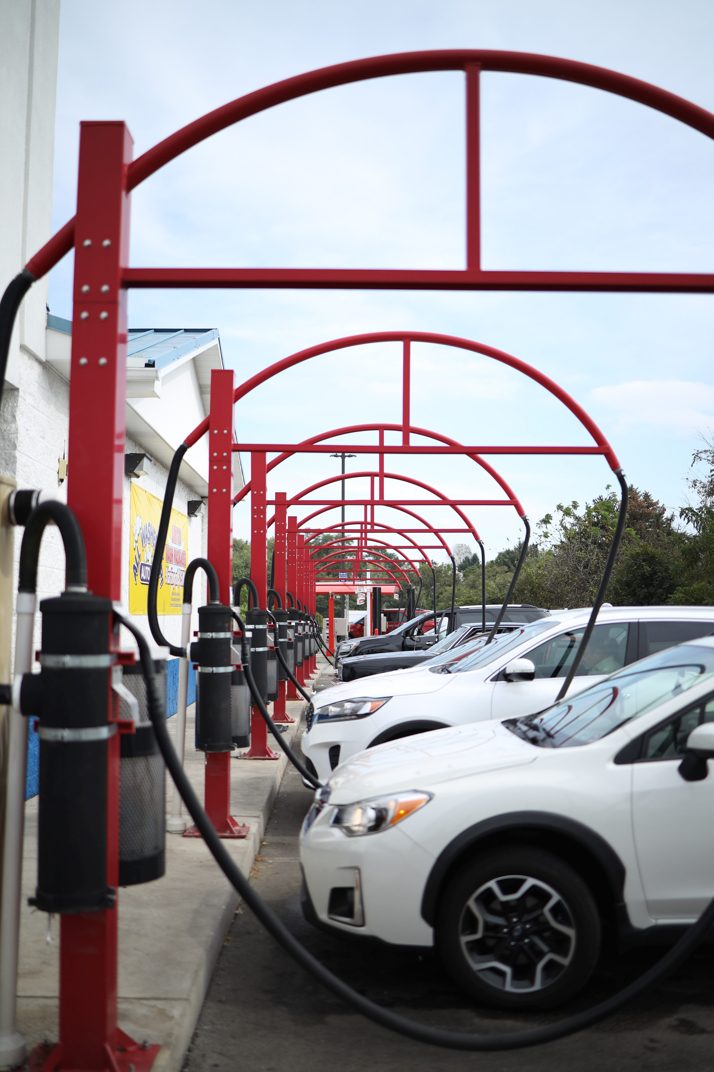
(532, 925)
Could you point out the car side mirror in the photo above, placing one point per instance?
(519, 670)
(699, 749)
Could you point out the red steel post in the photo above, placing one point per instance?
(302, 671)
(89, 1037)
(292, 586)
(331, 621)
(259, 575)
(305, 559)
(313, 604)
(280, 577)
(217, 783)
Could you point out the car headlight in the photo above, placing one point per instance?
(380, 813)
(345, 710)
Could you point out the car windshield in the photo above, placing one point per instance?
(452, 640)
(407, 625)
(477, 653)
(603, 708)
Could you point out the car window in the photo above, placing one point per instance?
(477, 653)
(450, 641)
(407, 626)
(669, 740)
(620, 698)
(657, 635)
(605, 653)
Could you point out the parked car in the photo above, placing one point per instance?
(515, 674)
(420, 633)
(393, 616)
(354, 666)
(513, 847)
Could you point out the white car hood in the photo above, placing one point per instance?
(426, 759)
(396, 683)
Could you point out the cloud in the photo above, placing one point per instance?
(682, 406)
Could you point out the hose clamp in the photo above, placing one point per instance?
(64, 735)
(76, 662)
(215, 636)
(258, 649)
(214, 669)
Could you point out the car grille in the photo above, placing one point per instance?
(309, 716)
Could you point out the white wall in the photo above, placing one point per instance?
(28, 76)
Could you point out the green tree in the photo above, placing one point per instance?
(697, 582)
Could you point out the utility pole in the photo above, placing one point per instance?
(343, 455)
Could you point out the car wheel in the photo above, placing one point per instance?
(518, 928)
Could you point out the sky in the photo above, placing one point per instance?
(372, 175)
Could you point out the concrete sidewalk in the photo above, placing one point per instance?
(170, 930)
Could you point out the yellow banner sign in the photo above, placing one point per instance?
(144, 514)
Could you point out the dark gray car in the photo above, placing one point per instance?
(468, 625)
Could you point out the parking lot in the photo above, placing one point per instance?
(263, 1011)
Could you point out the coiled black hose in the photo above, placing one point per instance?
(453, 1040)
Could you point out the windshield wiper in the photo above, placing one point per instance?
(529, 731)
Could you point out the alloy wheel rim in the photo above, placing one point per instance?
(517, 934)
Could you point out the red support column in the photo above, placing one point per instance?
(259, 575)
(217, 780)
(313, 600)
(280, 714)
(302, 673)
(292, 586)
(89, 1037)
(331, 621)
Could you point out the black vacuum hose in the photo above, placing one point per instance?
(599, 598)
(286, 668)
(259, 703)
(265, 715)
(214, 588)
(13, 294)
(436, 1036)
(72, 539)
(320, 643)
(153, 593)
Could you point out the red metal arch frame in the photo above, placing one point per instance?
(371, 563)
(341, 545)
(469, 61)
(379, 526)
(440, 499)
(363, 553)
(89, 1035)
(407, 430)
(376, 526)
(450, 447)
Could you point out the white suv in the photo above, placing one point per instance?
(517, 674)
(513, 846)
